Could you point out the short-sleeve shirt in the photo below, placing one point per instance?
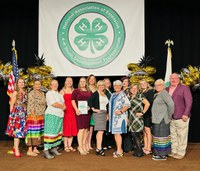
(51, 98)
(78, 95)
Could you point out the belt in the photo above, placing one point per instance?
(176, 118)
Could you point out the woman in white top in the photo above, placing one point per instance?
(53, 121)
(98, 102)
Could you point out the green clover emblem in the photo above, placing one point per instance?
(91, 36)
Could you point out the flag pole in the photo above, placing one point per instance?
(13, 76)
(169, 62)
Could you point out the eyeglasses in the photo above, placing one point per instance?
(158, 85)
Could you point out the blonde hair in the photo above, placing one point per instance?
(85, 83)
(100, 82)
(72, 88)
(148, 85)
(106, 79)
(134, 85)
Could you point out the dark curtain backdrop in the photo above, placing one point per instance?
(164, 19)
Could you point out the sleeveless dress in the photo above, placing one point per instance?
(149, 95)
(69, 120)
(136, 124)
(17, 118)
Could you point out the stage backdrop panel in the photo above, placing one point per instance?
(79, 37)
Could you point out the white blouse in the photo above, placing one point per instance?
(103, 101)
(51, 98)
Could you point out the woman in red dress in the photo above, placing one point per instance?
(69, 120)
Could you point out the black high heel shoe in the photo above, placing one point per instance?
(100, 152)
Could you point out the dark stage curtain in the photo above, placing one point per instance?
(19, 21)
(179, 21)
(164, 19)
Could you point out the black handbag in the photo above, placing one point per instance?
(127, 143)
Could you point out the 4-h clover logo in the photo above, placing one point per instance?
(91, 34)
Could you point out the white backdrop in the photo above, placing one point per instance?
(80, 37)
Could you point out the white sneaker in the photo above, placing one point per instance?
(177, 156)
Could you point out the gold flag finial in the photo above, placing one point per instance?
(169, 42)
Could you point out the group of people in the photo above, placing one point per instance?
(157, 118)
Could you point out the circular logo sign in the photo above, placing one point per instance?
(91, 35)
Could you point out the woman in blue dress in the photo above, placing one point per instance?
(118, 114)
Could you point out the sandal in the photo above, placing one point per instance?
(117, 155)
(36, 151)
(100, 152)
(30, 153)
(144, 150)
(85, 149)
(71, 149)
(147, 152)
(81, 151)
(67, 149)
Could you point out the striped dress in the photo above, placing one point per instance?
(162, 110)
(35, 123)
(161, 139)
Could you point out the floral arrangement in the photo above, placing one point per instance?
(190, 76)
(141, 70)
(40, 72)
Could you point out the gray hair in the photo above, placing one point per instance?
(159, 81)
(117, 82)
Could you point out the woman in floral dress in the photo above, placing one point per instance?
(17, 118)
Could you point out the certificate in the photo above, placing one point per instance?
(83, 107)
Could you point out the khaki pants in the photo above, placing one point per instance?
(179, 135)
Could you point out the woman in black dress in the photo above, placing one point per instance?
(148, 93)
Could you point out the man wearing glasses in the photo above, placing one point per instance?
(179, 126)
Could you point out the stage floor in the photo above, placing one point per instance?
(73, 161)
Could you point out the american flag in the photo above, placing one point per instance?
(14, 73)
